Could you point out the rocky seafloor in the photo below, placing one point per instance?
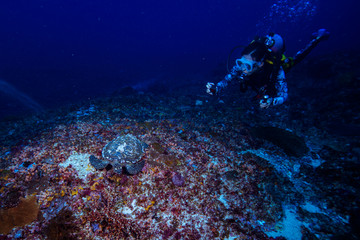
(214, 170)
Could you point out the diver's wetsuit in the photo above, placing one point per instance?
(265, 82)
(261, 82)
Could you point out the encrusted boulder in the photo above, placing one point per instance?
(292, 144)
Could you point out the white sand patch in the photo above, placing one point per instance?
(129, 212)
(311, 208)
(81, 163)
(290, 227)
(232, 238)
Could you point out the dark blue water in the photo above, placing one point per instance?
(55, 52)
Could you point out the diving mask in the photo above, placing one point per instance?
(246, 65)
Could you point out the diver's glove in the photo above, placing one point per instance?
(211, 88)
(321, 34)
(265, 102)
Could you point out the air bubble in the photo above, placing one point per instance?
(285, 11)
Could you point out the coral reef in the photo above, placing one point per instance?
(207, 174)
(62, 226)
(24, 213)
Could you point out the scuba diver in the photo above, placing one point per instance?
(262, 67)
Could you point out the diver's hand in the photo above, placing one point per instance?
(321, 34)
(211, 88)
(265, 102)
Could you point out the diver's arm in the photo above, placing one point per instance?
(234, 73)
(300, 55)
(223, 83)
(213, 89)
(320, 35)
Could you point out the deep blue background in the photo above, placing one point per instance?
(59, 51)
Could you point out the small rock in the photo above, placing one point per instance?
(178, 180)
